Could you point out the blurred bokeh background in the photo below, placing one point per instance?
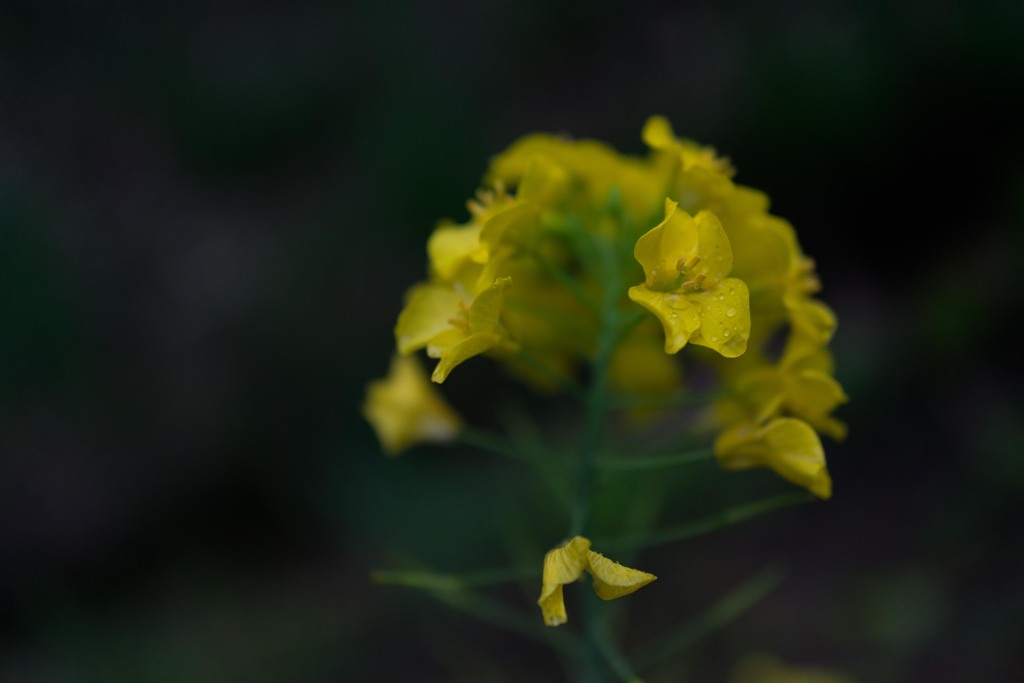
(209, 213)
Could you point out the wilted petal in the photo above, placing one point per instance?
(562, 565)
(613, 580)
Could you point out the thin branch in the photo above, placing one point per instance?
(706, 525)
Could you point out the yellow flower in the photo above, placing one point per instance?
(787, 445)
(405, 409)
(566, 564)
(800, 385)
(451, 327)
(686, 260)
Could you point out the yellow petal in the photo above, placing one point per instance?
(405, 409)
(713, 247)
(552, 605)
(562, 565)
(613, 580)
(454, 355)
(787, 445)
(477, 332)
(486, 308)
(660, 249)
(658, 134)
(510, 226)
(452, 246)
(724, 317)
(679, 318)
(683, 247)
(428, 312)
(810, 318)
(813, 393)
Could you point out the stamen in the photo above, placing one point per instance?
(475, 207)
(462, 319)
(685, 263)
(695, 283)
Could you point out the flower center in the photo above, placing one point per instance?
(696, 281)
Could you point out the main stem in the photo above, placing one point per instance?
(596, 400)
(596, 396)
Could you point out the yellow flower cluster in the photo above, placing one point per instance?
(525, 278)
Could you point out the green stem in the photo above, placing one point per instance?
(616, 659)
(439, 581)
(592, 670)
(485, 441)
(495, 613)
(657, 462)
(738, 601)
(596, 396)
(700, 527)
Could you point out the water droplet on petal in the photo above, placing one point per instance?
(731, 312)
(726, 332)
(714, 339)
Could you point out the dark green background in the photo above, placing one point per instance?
(209, 214)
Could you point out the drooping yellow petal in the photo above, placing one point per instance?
(813, 394)
(724, 317)
(613, 580)
(454, 355)
(787, 445)
(562, 565)
(679, 318)
(405, 409)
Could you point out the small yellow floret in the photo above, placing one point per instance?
(566, 564)
(686, 261)
(405, 409)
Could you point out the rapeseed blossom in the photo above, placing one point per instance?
(521, 279)
(641, 277)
